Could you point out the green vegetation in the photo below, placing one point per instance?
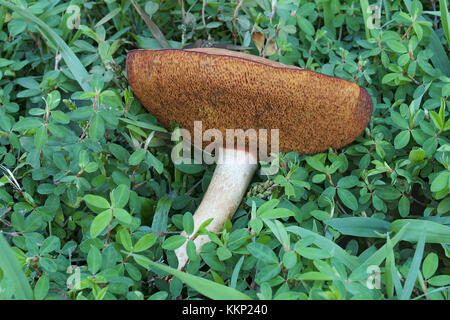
(91, 206)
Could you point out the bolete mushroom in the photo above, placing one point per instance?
(230, 90)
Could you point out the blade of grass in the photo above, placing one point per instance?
(360, 226)
(73, 63)
(377, 258)
(327, 245)
(152, 26)
(161, 216)
(389, 269)
(108, 17)
(387, 10)
(12, 270)
(364, 7)
(235, 274)
(391, 273)
(445, 19)
(208, 288)
(436, 232)
(328, 16)
(414, 269)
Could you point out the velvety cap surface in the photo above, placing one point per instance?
(230, 90)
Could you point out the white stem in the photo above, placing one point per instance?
(233, 173)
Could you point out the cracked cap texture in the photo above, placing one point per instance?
(232, 90)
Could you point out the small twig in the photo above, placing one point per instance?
(157, 34)
(408, 30)
(109, 232)
(189, 192)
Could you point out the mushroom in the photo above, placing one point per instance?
(230, 90)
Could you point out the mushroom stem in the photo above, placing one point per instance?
(233, 173)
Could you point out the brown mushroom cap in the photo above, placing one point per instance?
(232, 90)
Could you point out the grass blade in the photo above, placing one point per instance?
(414, 269)
(327, 245)
(157, 34)
(73, 63)
(364, 8)
(161, 216)
(360, 226)
(235, 274)
(12, 269)
(445, 19)
(328, 16)
(108, 17)
(436, 232)
(208, 288)
(377, 258)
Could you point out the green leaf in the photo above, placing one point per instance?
(396, 46)
(41, 137)
(313, 275)
(262, 252)
(313, 253)
(100, 222)
(42, 287)
(289, 259)
(399, 121)
(315, 163)
(188, 223)
(320, 215)
(97, 127)
(137, 157)
(347, 182)
(96, 201)
(26, 124)
(125, 239)
(402, 139)
(145, 242)
(440, 281)
(223, 253)
(94, 260)
(60, 117)
(348, 198)
(305, 25)
(174, 242)
(276, 213)
(268, 205)
(438, 122)
(430, 265)
(403, 206)
(49, 265)
(122, 215)
(120, 196)
(50, 244)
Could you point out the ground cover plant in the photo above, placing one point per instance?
(92, 207)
